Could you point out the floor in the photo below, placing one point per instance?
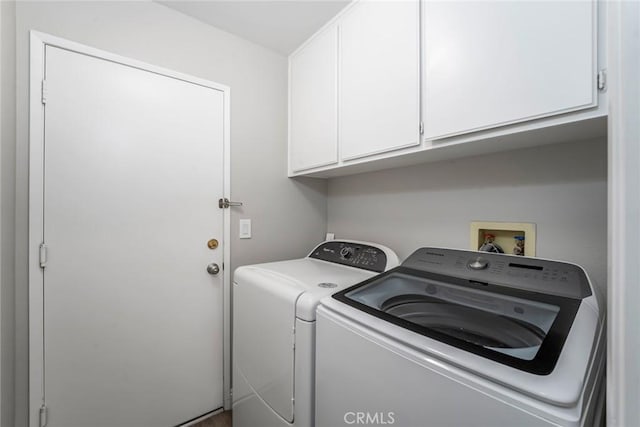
(223, 419)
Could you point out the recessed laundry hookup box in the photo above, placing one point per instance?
(515, 238)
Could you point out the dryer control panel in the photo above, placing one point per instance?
(353, 254)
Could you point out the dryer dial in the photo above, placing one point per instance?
(346, 252)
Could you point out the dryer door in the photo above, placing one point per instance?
(263, 332)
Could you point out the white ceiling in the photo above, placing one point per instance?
(276, 24)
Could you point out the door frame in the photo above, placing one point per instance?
(623, 339)
(38, 42)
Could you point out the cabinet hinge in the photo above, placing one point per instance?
(43, 415)
(43, 255)
(421, 128)
(44, 92)
(602, 79)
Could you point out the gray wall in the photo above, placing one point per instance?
(561, 188)
(258, 79)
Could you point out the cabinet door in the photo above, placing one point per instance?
(491, 63)
(313, 103)
(379, 78)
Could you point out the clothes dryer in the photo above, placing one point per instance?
(274, 314)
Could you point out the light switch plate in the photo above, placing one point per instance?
(245, 228)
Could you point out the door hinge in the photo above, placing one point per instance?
(225, 203)
(44, 92)
(43, 255)
(421, 128)
(602, 79)
(43, 415)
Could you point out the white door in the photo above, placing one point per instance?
(133, 168)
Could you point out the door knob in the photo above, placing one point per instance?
(213, 268)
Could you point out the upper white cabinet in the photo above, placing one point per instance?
(492, 63)
(313, 103)
(477, 76)
(379, 74)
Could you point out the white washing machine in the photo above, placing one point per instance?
(274, 316)
(460, 338)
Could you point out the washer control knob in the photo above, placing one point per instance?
(346, 252)
(478, 263)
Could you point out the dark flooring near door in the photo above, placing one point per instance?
(223, 419)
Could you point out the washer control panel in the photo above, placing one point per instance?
(552, 277)
(353, 254)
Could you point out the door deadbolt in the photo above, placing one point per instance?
(212, 244)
